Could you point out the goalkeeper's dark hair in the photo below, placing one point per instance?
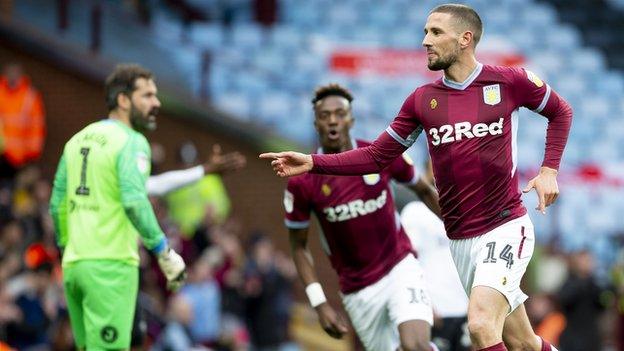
(123, 81)
(466, 16)
(332, 89)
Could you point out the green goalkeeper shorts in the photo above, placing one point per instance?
(101, 298)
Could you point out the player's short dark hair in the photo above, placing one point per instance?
(123, 81)
(332, 89)
(466, 16)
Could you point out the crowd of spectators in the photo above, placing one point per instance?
(238, 295)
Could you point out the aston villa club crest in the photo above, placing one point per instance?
(371, 179)
(491, 94)
(433, 103)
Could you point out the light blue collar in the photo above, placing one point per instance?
(461, 86)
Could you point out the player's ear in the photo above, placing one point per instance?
(123, 101)
(466, 39)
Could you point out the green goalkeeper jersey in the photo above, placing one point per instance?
(99, 202)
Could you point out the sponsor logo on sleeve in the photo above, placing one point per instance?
(289, 201)
(535, 79)
(491, 94)
(142, 162)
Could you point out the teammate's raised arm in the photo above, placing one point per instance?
(218, 163)
(221, 163)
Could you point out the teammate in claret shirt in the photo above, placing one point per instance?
(470, 118)
(99, 206)
(381, 280)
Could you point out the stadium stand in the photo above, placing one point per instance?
(598, 25)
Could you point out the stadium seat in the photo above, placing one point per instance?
(562, 39)
(236, 103)
(207, 36)
(272, 104)
(284, 36)
(588, 60)
(248, 36)
(271, 61)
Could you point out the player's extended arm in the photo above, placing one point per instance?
(332, 322)
(360, 161)
(427, 194)
(139, 211)
(161, 184)
(559, 115)
(58, 205)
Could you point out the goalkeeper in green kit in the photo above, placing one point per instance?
(100, 208)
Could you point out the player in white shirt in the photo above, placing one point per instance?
(450, 303)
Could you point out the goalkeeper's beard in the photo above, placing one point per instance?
(142, 123)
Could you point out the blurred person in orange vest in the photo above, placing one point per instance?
(548, 321)
(23, 121)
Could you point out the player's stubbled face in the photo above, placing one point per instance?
(332, 121)
(145, 105)
(441, 41)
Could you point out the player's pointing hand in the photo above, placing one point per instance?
(289, 163)
(545, 184)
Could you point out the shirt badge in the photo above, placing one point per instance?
(326, 190)
(491, 94)
(535, 79)
(371, 179)
(143, 163)
(433, 103)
